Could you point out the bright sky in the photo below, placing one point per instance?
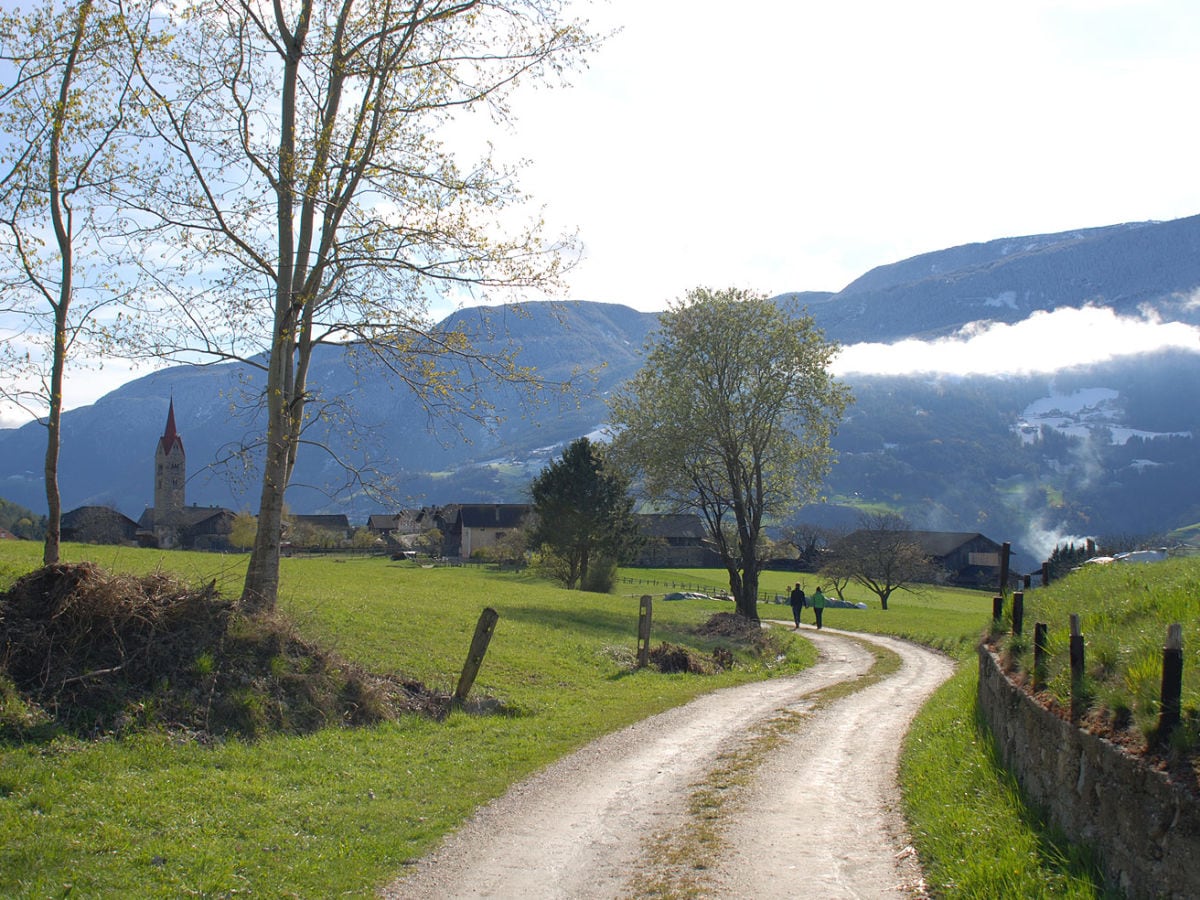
(793, 146)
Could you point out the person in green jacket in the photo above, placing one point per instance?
(817, 602)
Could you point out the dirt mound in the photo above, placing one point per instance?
(730, 625)
(94, 653)
(669, 658)
(729, 628)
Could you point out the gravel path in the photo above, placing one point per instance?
(755, 791)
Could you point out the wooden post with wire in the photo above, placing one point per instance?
(1005, 555)
(1078, 701)
(1172, 683)
(1039, 655)
(479, 645)
(643, 647)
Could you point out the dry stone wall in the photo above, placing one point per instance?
(1144, 826)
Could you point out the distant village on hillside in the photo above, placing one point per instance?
(460, 530)
(457, 531)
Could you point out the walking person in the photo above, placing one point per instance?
(798, 601)
(818, 604)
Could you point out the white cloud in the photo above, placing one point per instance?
(1045, 342)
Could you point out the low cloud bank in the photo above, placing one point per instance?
(1045, 342)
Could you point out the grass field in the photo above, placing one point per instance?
(339, 812)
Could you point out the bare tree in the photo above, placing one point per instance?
(67, 151)
(838, 567)
(312, 203)
(811, 542)
(882, 556)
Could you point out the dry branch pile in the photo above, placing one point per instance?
(729, 627)
(98, 654)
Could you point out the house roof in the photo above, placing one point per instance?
(337, 522)
(671, 525)
(186, 517)
(407, 520)
(943, 543)
(940, 544)
(82, 514)
(493, 515)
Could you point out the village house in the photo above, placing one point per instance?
(675, 539)
(966, 557)
(98, 525)
(336, 525)
(481, 525)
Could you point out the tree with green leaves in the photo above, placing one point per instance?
(241, 537)
(312, 201)
(731, 418)
(583, 513)
(67, 152)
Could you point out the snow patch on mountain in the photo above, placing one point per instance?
(1007, 299)
(1080, 413)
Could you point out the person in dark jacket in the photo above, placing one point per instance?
(798, 601)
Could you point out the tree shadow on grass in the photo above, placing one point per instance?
(603, 624)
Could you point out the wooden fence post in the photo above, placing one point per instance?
(479, 645)
(1172, 682)
(1039, 655)
(1018, 623)
(1045, 574)
(1077, 664)
(643, 649)
(1005, 554)
(997, 609)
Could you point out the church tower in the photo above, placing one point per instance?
(170, 470)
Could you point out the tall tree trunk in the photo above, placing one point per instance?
(261, 588)
(60, 218)
(747, 600)
(50, 548)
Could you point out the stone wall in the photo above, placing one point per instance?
(1144, 827)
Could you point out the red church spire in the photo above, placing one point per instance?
(171, 438)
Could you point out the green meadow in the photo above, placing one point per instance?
(342, 811)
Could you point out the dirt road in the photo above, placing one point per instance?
(764, 790)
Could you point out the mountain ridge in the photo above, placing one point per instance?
(1144, 268)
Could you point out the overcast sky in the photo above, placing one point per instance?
(789, 146)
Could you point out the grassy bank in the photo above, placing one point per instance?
(976, 837)
(1124, 612)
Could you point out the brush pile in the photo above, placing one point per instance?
(94, 654)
